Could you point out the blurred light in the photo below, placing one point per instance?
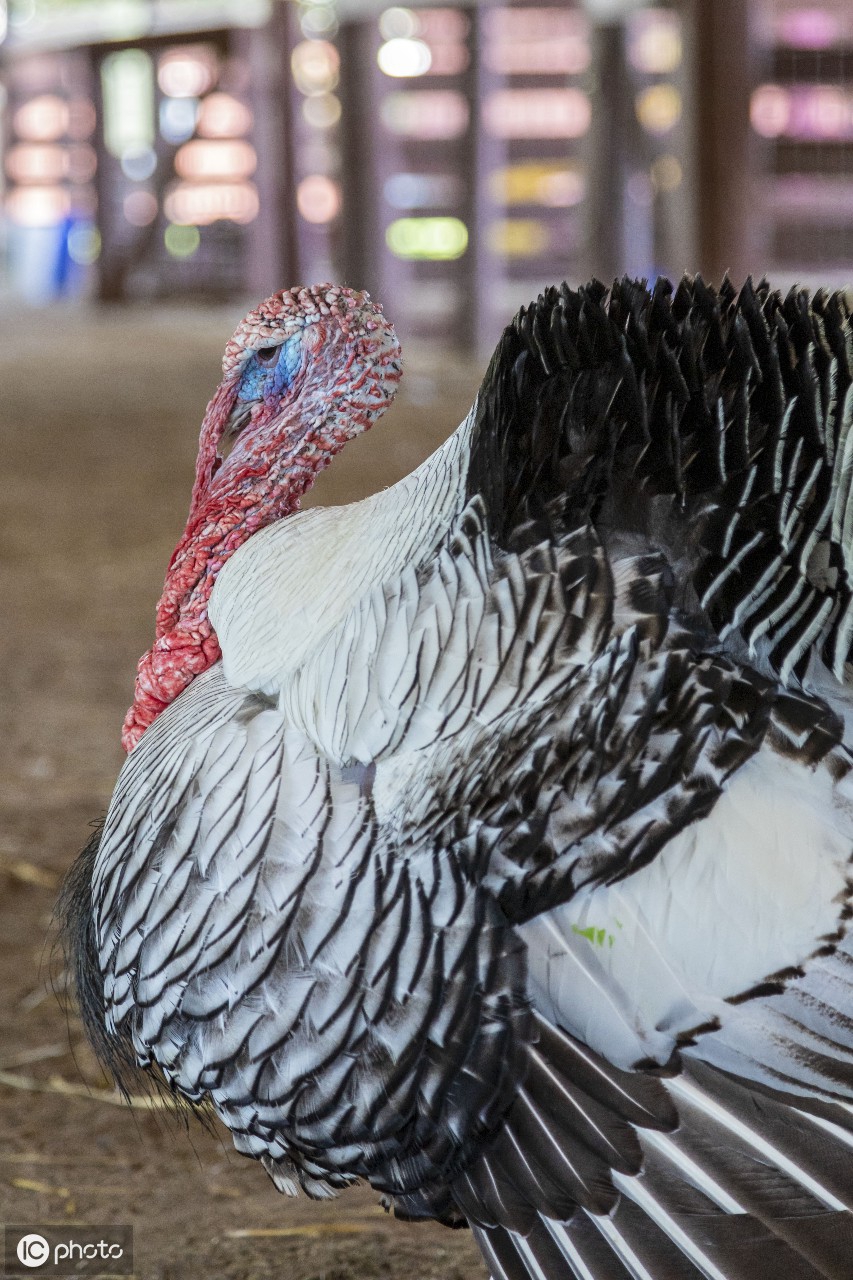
(322, 112)
(548, 182)
(398, 23)
(127, 78)
(518, 237)
(319, 20)
(822, 111)
(84, 244)
(538, 113)
(81, 162)
(203, 203)
(138, 163)
(178, 119)
(770, 110)
(4, 20)
(36, 163)
(810, 28)
(402, 57)
(318, 199)
(428, 114)
(658, 108)
(448, 59)
(38, 206)
(427, 239)
(42, 119)
(188, 71)
(422, 190)
(140, 208)
(654, 41)
(225, 159)
(536, 42)
(666, 173)
(181, 240)
(806, 112)
(442, 26)
(315, 65)
(81, 119)
(223, 116)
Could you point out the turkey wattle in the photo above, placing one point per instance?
(504, 858)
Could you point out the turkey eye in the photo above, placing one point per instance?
(267, 355)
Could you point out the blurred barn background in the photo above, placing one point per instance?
(167, 162)
(452, 158)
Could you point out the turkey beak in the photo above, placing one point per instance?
(238, 419)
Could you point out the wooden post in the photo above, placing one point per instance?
(271, 258)
(720, 38)
(606, 154)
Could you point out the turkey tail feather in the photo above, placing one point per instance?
(746, 1188)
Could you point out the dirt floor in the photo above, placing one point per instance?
(98, 421)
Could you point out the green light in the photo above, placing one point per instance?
(84, 245)
(427, 239)
(127, 78)
(181, 241)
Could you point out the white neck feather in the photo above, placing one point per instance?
(293, 582)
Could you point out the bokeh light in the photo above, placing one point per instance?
(84, 244)
(322, 111)
(38, 206)
(654, 41)
(658, 108)
(770, 110)
(554, 183)
(178, 119)
(201, 203)
(187, 71)
(316, 66)
(221, 115)
(538, 113)
(204, 158)
(422, 190)
(127, 78)
(402, 57)
(809, 28)
(319, 20)
(42, 119)
(518, 237)
(182, 240)
(138, 163)
(427, 239)
(140, 208)
(427, 114)
(398, 23)
(318, 198)
(36, 163)
(81, 119)
(549, 41)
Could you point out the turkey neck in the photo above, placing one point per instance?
(228, 507)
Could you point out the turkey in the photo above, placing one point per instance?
(489, 840)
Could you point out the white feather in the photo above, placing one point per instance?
(752, 889)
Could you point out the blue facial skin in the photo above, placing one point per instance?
(265, 380)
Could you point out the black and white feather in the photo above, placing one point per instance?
(505, 859)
